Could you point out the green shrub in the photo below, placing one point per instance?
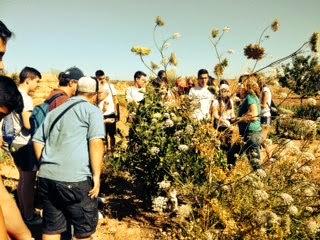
(295, 128)
(308, 112)
(165, 143)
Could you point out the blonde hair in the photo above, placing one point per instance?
(251, 84)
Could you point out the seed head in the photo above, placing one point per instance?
(315, 42)
(154, 66)
(173, 59)
(254, 51)
(219, 70)
(275, 25)
(215, 33)
(159, 21)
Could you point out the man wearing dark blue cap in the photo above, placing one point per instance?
(68, 85)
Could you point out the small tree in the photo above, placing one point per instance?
(302, 76)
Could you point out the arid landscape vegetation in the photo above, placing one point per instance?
(168, 177)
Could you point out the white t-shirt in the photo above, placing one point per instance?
(134, 94)
(205, 98)
(107, 104)
(23, 136)
(266, 111)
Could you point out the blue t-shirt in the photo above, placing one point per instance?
(66, 152)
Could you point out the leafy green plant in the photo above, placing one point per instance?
(295, 128)
(308, 112)
(165, 143)
(301, 76)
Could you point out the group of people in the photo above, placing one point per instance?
(67, 150)
(248, 108)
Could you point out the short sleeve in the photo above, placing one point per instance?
(113, 90)
(39, 134)
(27, 102)
(128, 95)
(191, 93)
(215, 103)
(96, 127)
(251, 100)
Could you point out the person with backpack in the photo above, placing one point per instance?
(16, 132)
(68, 84)
(69, 147)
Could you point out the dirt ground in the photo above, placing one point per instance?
(123, 218)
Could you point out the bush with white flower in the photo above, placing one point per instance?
(165, 143)
(184, 173)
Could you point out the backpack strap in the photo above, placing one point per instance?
(61, 114)
(54, 97)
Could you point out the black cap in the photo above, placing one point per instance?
(73, 73)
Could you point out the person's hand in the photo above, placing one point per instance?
(109, 120)
(233, 120)
(94, 192)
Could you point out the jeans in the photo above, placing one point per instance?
(251, 147)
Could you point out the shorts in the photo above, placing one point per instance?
(265, 120)
(68, 202)
(24, 157)
(111, 128)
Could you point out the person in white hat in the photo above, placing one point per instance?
(69, 147)
(223, 108)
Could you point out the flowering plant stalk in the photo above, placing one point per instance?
(256, 51)
(222, 62)
(165, 60)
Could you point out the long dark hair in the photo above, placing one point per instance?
(10, 96)
(227, 101)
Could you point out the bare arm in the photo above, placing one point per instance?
(3, 231)
(25, 120)
(38, 148)
(251, 115)
(14, 224)
(96, 151)
(215, 113)
(264, 100)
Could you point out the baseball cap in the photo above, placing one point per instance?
(73, 73)
(87, 85)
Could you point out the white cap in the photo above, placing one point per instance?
(87, 85)
(224, 86)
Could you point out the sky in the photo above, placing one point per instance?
(98, 34)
